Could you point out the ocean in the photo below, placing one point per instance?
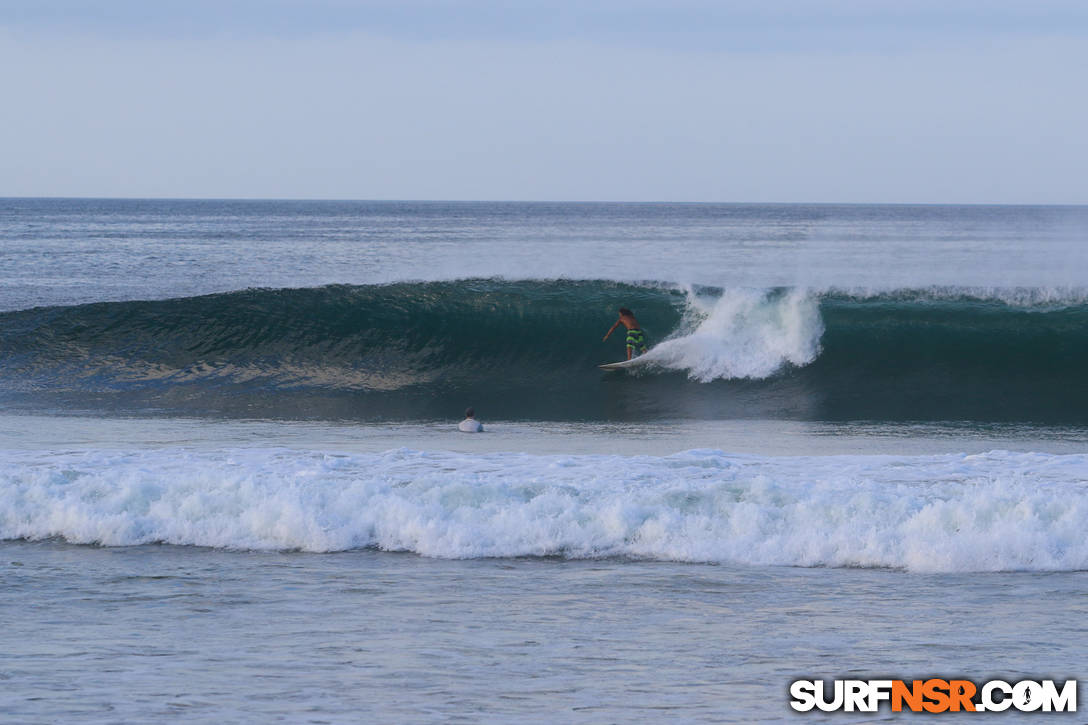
(232, 488)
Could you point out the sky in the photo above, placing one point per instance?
(639, 100)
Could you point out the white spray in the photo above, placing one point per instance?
(743, 334)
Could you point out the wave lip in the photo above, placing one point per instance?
(951, 513)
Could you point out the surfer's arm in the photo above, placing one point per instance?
(610, 330)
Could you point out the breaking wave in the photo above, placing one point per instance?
(947, 513)
(528, 350)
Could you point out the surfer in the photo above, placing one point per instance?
(636, 339)
(470, 424)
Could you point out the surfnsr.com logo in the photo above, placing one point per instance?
(933, 695)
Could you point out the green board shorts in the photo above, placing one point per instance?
(636, 340)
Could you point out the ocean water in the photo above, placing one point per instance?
(232, 489)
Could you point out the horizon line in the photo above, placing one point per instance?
(538, 201)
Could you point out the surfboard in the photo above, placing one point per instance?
(622, 365)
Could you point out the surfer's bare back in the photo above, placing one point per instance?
(635, 337)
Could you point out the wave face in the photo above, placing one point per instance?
(951, 513)
(528, 350)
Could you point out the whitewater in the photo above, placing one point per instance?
(996, 511)
(232, 488)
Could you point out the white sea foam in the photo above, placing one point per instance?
(1041, 298)
(991, 512)
(743, 334)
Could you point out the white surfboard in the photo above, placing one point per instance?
(623, 364)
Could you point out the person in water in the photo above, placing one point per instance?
(470, 424)
(636, 338)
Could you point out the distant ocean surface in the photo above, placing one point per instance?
(232, 488)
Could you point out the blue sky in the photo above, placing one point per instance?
(975, 102)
